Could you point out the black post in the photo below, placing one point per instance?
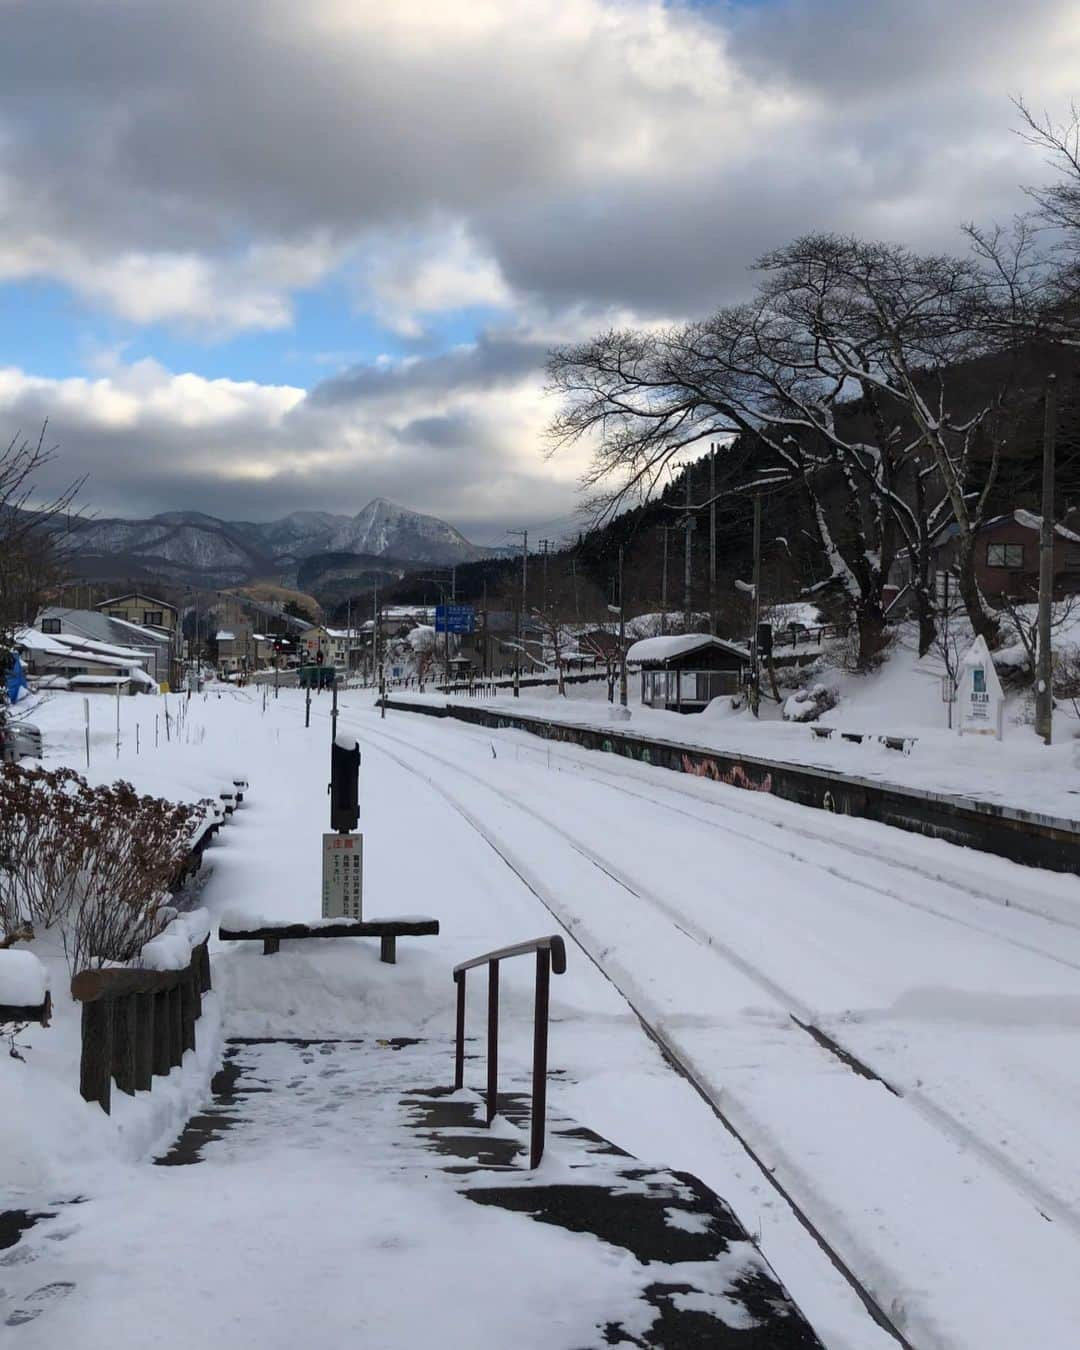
(540, 1049)
(493, 1040)
(459, 1049)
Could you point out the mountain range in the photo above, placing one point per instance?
(189, 547)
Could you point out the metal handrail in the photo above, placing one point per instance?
(550, 956)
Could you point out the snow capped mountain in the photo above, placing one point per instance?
(385, 529)
(200, 549)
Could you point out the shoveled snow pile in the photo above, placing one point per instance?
(24, 981)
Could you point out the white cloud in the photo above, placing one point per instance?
(459, 440)
(408, 281)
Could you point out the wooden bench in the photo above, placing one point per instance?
(387, 930)
(905, 744)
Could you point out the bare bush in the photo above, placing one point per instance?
(92, 861)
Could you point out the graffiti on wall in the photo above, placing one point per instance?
(736, 776)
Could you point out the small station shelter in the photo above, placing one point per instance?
(683, 672)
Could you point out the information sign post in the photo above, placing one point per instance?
(343, 851)
(979, 695)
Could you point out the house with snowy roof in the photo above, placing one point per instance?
(69, 661)
(1006, 558)
(154, 647)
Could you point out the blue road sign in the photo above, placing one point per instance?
(454, 618)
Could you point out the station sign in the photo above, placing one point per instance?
(454, 618)
(979, 696)
(343, 876)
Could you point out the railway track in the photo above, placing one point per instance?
(716, 1095)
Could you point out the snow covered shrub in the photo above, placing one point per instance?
(807, 705)
(92, 861)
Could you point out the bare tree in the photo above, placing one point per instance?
(32, 536)
(832, 382)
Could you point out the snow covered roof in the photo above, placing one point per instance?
(102, 630)
(680, 644)
(139, 630)
(70, 644)
(98, 681)
(224, 636)
(1033, 522)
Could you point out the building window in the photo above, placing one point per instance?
(1005, 555)
(118, 614)
(50, 625)
(152, 617)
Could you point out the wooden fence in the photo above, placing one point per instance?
(137, 1023)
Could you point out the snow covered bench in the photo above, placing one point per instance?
(233, 929)
(24, 988)
(903, 743)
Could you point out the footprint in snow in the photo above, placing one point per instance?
(19, 1256)
(38, 1302)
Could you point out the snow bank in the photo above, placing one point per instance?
(24, 981)
(171, 948)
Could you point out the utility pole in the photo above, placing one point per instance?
(755, 660)
(485, 648)
(545, 547)
(521, 612)
(374, 635)
(663, 583)
(689, 524)
(622, 634)
(712, 539)
(1044, 694)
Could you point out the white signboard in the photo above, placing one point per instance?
(979, 696)
(343, 876)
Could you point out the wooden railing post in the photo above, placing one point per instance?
(459, 1048)
(162, 1058)
(144, 1042)
(493, 1041)
(95, 1066)
(203, 954)
(176, 1027)
(123, 1024)
(186, 990)
(540, 1049)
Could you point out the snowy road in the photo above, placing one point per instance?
(889, 1023)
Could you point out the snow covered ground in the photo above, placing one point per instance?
(922, 1110)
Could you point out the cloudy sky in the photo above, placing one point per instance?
(261, 255)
